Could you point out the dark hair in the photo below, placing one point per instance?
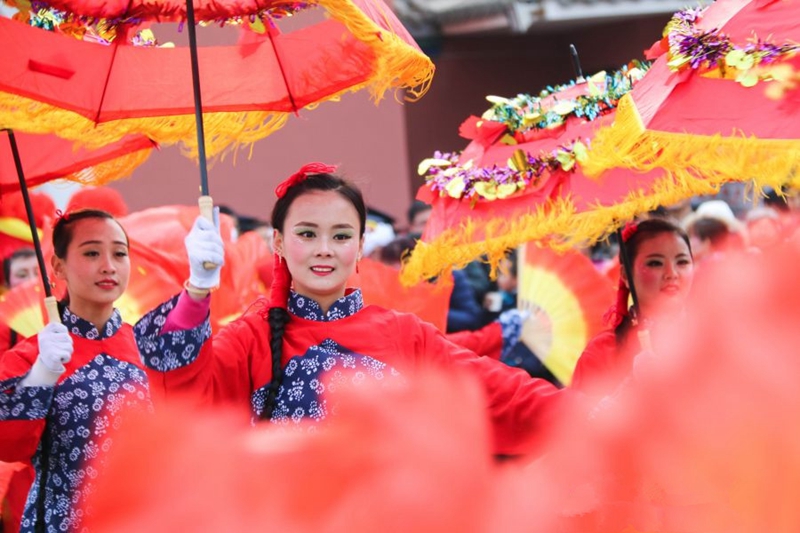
(278, 317)
(710, 229)
(64, 228)
(320, 182)
(21, 253)
(511, 256)
(776, 200)
(418, 206)
(646, 230)
(397, 249)
(649, 228)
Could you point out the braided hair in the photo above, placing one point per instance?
(277, 315)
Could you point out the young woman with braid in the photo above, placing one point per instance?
(663, 271)
(281, 359)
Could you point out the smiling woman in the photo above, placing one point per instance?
(663, 271)
(63, 391)
(285, 357)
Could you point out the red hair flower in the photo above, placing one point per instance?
(302, 174)
(629, 231)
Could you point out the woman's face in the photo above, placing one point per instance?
(21, 270)
(662, 273)
(321, 244)
(96, 266)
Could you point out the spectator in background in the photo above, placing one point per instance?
(711, 239)
(418, 215)
(464, 313)
(19, 267)
(379, 232)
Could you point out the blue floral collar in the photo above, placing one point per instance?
(86, 329)
(304, 307)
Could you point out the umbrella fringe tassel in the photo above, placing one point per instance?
(691, 158)
(561, 225)
(397, 61)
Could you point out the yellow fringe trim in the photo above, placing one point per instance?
(627, 144)
(108, 171)
(557, 224)
(397, 65)
(691, 164)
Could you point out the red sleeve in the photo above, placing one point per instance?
(21, 431)
(222, 369)
(601, 367)
(487, 341)
(522, 409)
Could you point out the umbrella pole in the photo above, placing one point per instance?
(576, 63)
(205, 202)
(50, 301)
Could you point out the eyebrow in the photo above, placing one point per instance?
(85, 243)
(335, 226)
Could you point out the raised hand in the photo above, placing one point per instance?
(203, 246)
(537, 329)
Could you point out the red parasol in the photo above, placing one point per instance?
(97, 93)
(522, 180)
(48, 157)
(703, 112)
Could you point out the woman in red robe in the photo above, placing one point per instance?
(663, 270)
(64, 391)
(283, 358)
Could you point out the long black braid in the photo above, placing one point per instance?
(277, 319)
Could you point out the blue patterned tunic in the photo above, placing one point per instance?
(66, 430)
(321, 369)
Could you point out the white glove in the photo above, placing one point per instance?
(204, 245)
(55, 349)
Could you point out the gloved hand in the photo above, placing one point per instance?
(204, 245)
(55, 349)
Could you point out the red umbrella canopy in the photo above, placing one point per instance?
(519, 180)
(702, 112)
(48, 157)
(97, 93)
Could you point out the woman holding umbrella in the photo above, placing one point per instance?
(663, 269)
(314, 329)
(66, 389)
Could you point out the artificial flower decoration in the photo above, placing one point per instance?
(444, 175)
(553, 106)
(712, 51)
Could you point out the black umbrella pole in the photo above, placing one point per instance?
(50, 301)
(205, 203)
(576, 63)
